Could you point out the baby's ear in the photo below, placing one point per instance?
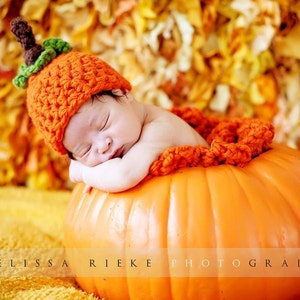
(124, 95)
(118, 92)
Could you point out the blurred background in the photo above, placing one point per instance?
(230, 58)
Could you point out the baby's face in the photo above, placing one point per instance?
(103, 129)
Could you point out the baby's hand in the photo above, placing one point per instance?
(87, 189)
(75, 171)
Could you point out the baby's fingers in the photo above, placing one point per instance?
(87, 189)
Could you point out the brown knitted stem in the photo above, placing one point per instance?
(232, 141)
(25, 37)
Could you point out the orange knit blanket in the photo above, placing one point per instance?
(232, 141)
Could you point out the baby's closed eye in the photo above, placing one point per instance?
(103, 123)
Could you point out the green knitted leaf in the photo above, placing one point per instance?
(59, 45)
(53, 48)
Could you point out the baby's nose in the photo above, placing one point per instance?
(104, 146)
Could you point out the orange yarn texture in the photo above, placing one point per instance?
(56, 93)
(232, 141)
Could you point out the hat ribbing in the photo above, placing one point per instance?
(56, 90)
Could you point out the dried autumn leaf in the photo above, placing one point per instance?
(288, 45)
(34, 10)
(4, 7)
(220, 100)
(125, 6)
(184, 55)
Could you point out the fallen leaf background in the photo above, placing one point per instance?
(227, 57)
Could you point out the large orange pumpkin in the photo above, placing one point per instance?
(223, 209)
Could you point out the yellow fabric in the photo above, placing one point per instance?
(33, 219)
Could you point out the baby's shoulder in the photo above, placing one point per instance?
(157, 121)
(155, 114)
(161, 123)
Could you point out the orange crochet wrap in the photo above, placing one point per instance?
(232, 141)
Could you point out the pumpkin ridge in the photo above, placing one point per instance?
(166, 221)
(275, 185)
(270, 209)
(250, 204)
(213, 217)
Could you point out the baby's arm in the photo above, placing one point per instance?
(117, 174)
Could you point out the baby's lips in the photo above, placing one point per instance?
(117, 153)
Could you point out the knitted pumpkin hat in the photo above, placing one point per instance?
(58, 81)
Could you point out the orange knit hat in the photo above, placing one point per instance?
(58, 81)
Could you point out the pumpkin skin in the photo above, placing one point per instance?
(257, 206)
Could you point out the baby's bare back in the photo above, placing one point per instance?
(169, 129)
